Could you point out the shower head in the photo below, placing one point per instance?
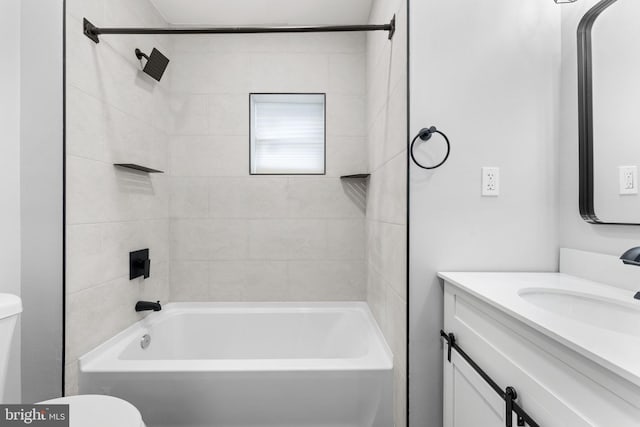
(156, 63)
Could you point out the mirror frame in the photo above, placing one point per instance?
(585, 114)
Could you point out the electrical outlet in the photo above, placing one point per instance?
(628, 179)
(490, 181)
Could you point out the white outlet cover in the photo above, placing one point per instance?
(490, 181)
(628, 179)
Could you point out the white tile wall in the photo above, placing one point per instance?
(267, 281)
(206, 73)
(248, 197)
(386, 229)
(209, 239)
(208, 155)
(228, 114)
(346, 115)
(225, 284)
(288, 72)
(327, 280)
(240, 237)
(323, 198)
(342, 68)
(115, 114)
(189, 197)
(189, 114)
(347, 154)
(287, 239)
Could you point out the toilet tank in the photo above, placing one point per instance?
(10, 308)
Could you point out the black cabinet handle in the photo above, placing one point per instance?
(509, 395)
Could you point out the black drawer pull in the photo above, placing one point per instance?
(509, 395)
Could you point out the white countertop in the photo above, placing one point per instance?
(616, 351)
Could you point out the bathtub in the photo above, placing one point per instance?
(249, 365)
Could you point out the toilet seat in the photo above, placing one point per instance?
(99, 411)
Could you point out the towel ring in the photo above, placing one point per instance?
(425, 135)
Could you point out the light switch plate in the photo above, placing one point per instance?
(490, 181)
(628, 179)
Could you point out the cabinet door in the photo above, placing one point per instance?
(468, 400)
(556, 386)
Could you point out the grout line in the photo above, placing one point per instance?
(386, 162)
(104, 102)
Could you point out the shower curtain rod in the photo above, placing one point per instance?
(93, 32)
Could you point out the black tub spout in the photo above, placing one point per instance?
(148, 306)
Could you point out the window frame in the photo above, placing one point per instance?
(324, 170)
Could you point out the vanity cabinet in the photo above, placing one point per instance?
(556, 385)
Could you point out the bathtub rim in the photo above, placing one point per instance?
(104, 358)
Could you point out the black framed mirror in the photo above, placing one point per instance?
(609, 106)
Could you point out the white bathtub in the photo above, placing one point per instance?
(249, 365)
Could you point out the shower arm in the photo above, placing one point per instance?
(94, 32)
(140, 55)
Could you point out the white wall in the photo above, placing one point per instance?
(486, 73)
(574, 231)
(264, 238)
(387, 188)
(42, 194)
(115, 114)
(10, 172)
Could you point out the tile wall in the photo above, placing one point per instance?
(237, 237)
(115, 114)
(387, 202)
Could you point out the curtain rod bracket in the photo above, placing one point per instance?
(90, 30)
(392, 25)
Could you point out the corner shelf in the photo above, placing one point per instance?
(356, 176)
(138, 168)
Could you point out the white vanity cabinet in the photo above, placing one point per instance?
(558, 382)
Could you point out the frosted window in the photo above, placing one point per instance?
(287, 133)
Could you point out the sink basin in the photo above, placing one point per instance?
(601, 312)
(10, 305)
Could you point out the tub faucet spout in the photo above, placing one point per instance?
(147, 306)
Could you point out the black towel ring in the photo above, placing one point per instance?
(425, 135)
